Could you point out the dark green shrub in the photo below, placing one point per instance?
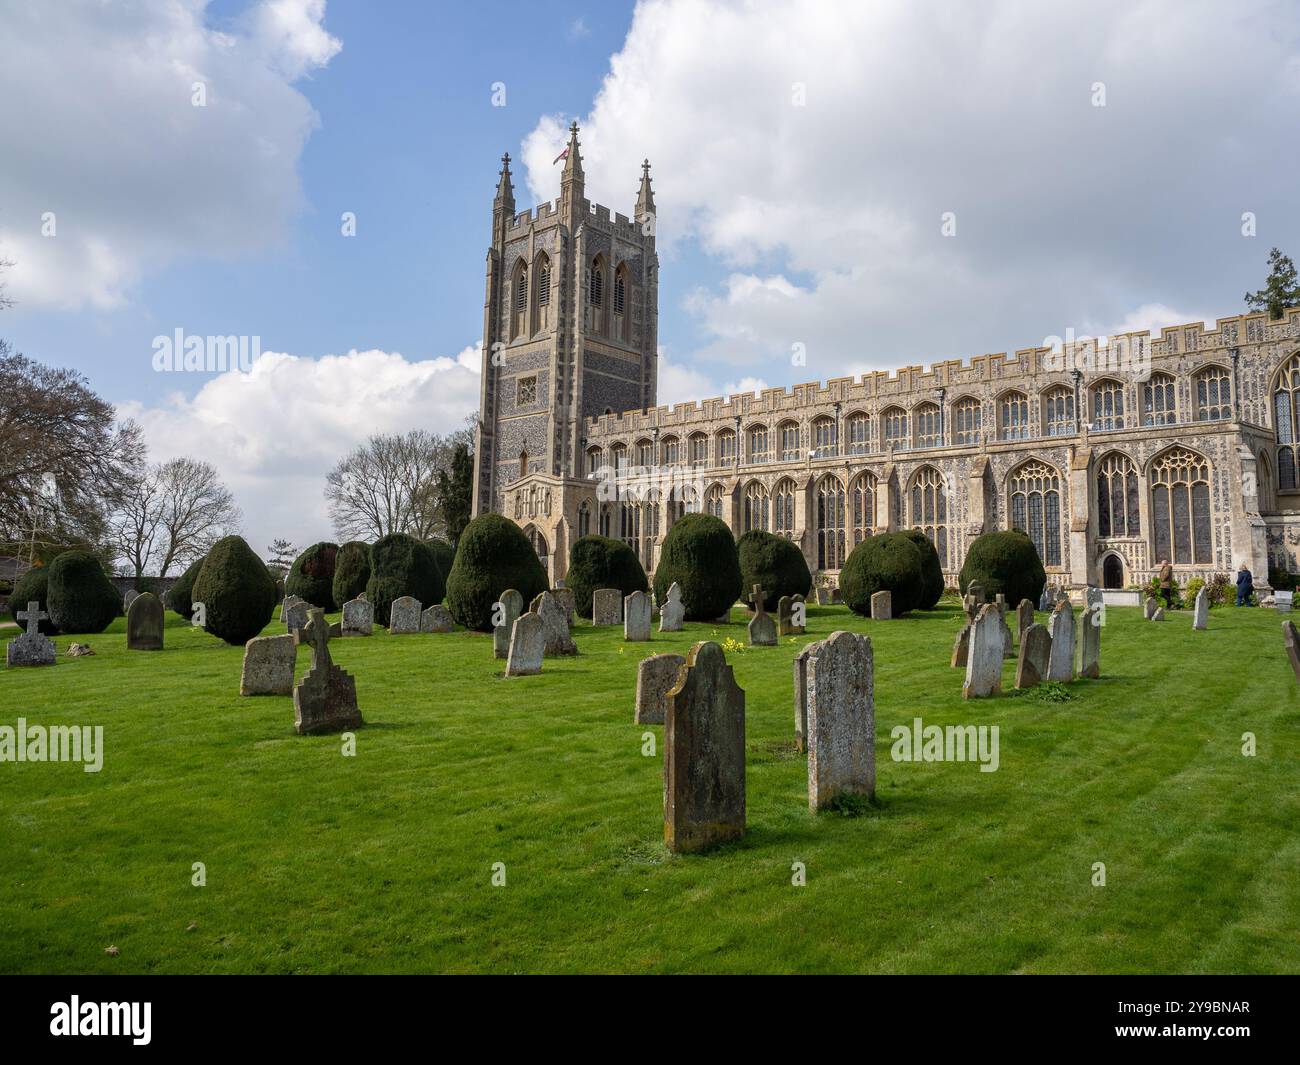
(351, 572)
(887, 562)
(931, 570)
(312, 575)
(33, 586)
(493, 554)
(82, 598)
(699, 553)
(237, 591)
(773, 562)
(601, 562)
(402, 565)
(1282, 581)
(444, 554)
(179, 597)
(1004, 562)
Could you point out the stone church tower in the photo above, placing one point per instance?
(570, 323)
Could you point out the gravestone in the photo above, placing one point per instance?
(1045, 600)
(144, 623)
(882, 606)
(801, 695)
(1159, 615)
(636, 617)
(1292, 640)
(762, 629)
(325, 700)
(30, 648)
(841, 729)
(1008, 644)
(295, 615)
(1060, 665)
(1201, 611)
(1149, 607)
(404, 616)
(961, 647)
(971, 606)
(564, 597)
(527, 646)
(437, 618)
(1090, 642)
(976, 591)
(358, 618)
(655, 677)
(507, 608)
(984, 660)
(129, 598)
(1024, 617)
(704, 754)
(606, 606)
(798, 616)
(1283, 601)
(785, 625)
(558, 640)
(1035, 655)
(672, 613)
(1093, 597)
(268, 665)
(823, 595)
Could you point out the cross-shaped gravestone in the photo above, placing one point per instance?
(30, 648)
(756, 597)
(33, 615)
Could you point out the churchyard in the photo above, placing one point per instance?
(482, 823)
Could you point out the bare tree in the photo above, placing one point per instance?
(198, 510)
(136, 520)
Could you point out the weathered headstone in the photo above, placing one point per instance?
(882, 606)
(558, 640)
(325, 700)
(704, 754)
(30, 648)
(436, 618)
(144, 623)
(128, 598)
(287, 604)
(1008, 644)
(636, 617)
(1159, 615)
(961, 647)
(976, 590)
(1060, 665)
(785, 625)
(506, 610)
(404, 616)
(1090, 641)
(970, 605)
(841, 730)
(527, 646)
(823, 595)
(358, 618)
(801, 695)
(1093, 597)
(798, 624)
(984, 661)
(1201, 611)
(606, 606)
(1150, 607)
(268, 665)
(564, 597)
(1283, 601)
(1024, 617)
(762, 629)
(1045, 600)
(295, 615)
(1035, 656)
(1292, 640)
(655, 677)
(672, 613)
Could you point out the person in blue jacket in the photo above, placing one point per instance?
(1245, 586)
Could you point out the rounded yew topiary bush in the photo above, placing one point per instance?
(237, 591)
(773, 562)
(493, 554)
(1005, 562)
(443, 553)
(887, 562)
(33, 587)
(402, 565)
(699, 553)
(602, 562)
(312, 575)
(931, 569)
(82, 598)
(351, 572)
(179, 597)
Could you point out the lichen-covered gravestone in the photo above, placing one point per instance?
(1090, 641)
(30, 648)
(1035, 654)
(1149, 607)
(672, 613)
(436, 618)
(358, 618)
(558, 640)
(527, 646)
(882, 606)
(1201, 612)
(564, 596)
(655, 677)
(404, 616)
(823, 595)
(762, 629)
(294, 615)
(505, 612)
(1024, 617)
(1159, 615)
(984, 660)
(144, 623)
(961, 647)
(1060, 626)
(325, 700)
(268, 665)
(128, 598)
(841, 730)
(606, 606)
(801, 695)
(636, 617)
(1008, 644)
(704, 754)
(1292, 640)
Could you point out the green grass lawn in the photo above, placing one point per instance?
(383, 861)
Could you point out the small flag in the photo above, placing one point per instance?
(563, 155)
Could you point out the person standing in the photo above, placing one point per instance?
(1245, 585)
(1167, 583)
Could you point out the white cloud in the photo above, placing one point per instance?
(275, 432)
(108, 140)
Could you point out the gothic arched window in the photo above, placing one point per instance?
(1213, 394)
(862, 506)
(926, 425)
(830, 523)
(541, 293)
(789, 441)
(1117, 497)
(713, 501)
(783, 509)
(859, 433)
(966, 421)
(1107, 406)
(893, 428)
(726, 447)
(756, 511)
(1159, 406)
(1058, 412)
(928, 509)
(826, 437)
(1180, 507)
(758, 444)
(519, 305)
(1034, 491)
(1013, 416)
(1286, 425)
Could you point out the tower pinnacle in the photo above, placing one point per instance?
(505, 197)
(645, 199)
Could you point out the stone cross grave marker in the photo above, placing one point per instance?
(325, 700)
(762, 630)
(31, 648)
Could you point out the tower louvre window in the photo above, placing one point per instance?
(544, 286)
(597, 283)
(620, 287)
(521, 289)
